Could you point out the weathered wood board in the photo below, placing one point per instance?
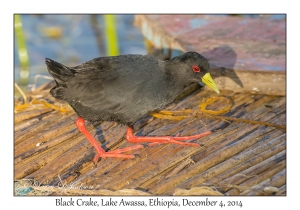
(245, 54)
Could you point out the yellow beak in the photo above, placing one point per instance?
(210, 82)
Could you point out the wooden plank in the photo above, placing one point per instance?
(245, 54)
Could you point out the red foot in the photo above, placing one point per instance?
(164, 139)
(100, 152)
(135, 139)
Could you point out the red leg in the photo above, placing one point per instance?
(100, 152)
(164, 139)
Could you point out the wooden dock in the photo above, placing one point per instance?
(245, 155)
(238, 159)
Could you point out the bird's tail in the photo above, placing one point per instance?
(58, 71)
(61, 74)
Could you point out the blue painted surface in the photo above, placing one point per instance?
(268, 67)
(278, 17)
(197, 23)
(271, 16)
(243, 22)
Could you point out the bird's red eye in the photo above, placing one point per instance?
(196, 68)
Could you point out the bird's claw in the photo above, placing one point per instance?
(136, 155)
(96, 159)
(145, 145)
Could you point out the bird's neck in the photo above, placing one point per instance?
(175, 71)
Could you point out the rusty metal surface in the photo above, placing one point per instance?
(236, 159)
(244, 53)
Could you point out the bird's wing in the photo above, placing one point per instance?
(120, 90)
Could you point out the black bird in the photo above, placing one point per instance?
(125, 88)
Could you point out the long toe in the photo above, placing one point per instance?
(96, 158)
(116, 155)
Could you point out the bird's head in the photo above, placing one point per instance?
(197, 68)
